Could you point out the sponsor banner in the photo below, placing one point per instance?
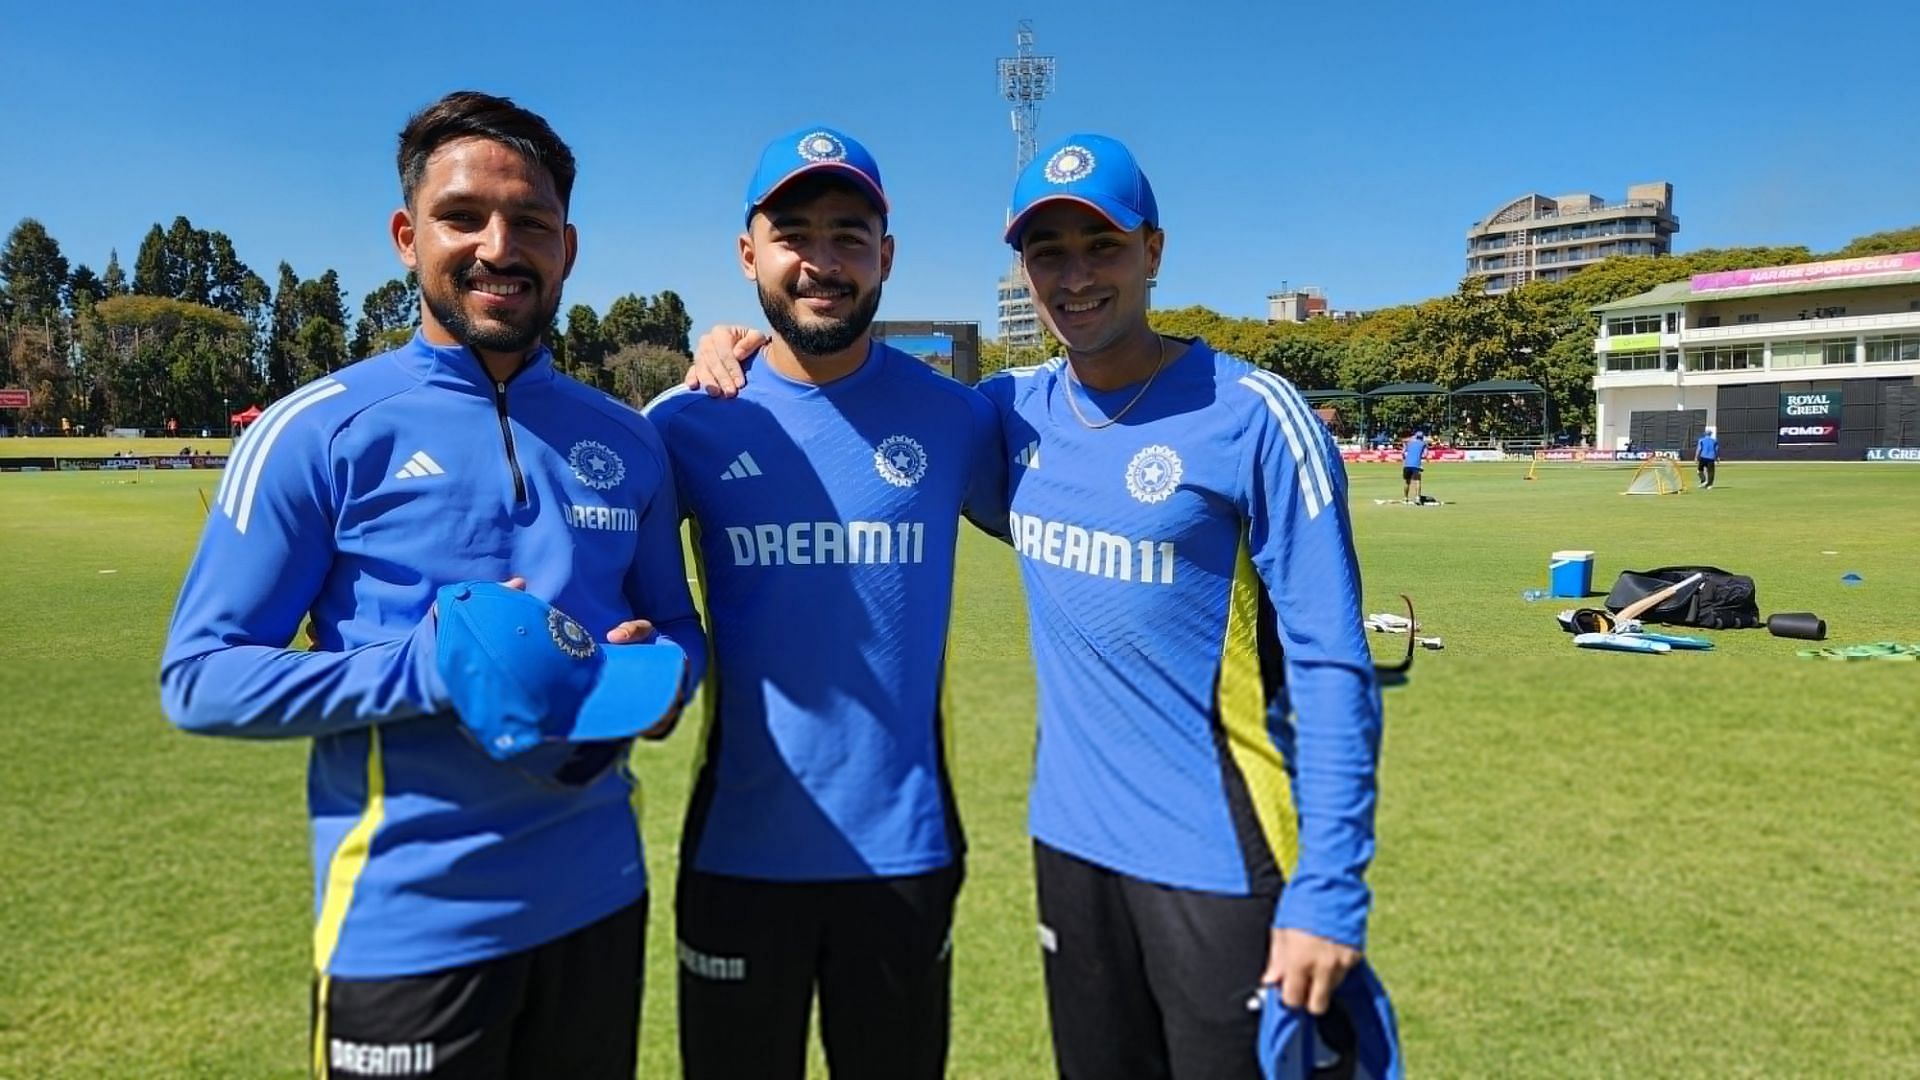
(1818, 271)
(1894, 453)
(1392, 454)
(1809, 417)
(15, 398)
(1603, 455)
(1628, 342)
(30, 464)
(1486, 455)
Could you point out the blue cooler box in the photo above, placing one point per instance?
(1570, 573)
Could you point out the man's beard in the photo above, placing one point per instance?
(823, 338)
(500, 336)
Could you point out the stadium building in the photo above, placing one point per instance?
(1535, 238)
(1019, 323)
(1817, 361)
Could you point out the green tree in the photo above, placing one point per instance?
(671, 326)
(113, 281)
(35, 272)
(639, 373)
(1891, 242)
(629, 321)
(82, 290)
(152, 270)
(585, 348)
(387, 318)
(319, 347)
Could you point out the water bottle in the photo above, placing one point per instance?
(1534, 594)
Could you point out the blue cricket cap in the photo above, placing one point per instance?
(811, 150)
(522, 672)
(1291, 1046)
(1093, 170)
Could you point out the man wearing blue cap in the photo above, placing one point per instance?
(480, 893)
(1209, 716)
(822, 849)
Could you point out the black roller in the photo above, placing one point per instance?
(1797, 624)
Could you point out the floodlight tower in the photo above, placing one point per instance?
(1025, 79)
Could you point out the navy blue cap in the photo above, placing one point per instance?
(1093, 170)
(810, 150)
(1290, 1043)
(522, 672)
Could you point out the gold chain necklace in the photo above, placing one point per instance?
(1073, 381)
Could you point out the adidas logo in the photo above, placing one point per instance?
(742, 467)
(417, 466)
(1030, 457)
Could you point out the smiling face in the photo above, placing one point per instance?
(1089, 278)
(818, 255)
(487, 234)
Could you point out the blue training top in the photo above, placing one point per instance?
(1709, 447)
(826, 518)
(349, 503)
(1209, 718)
(1416, 451)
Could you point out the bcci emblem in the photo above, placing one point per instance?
(1153, 474)
(900, 461)
(822, 146)
(596, 465)
(1069, 163)
(572, 638)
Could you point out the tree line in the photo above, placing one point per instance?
(195, 335)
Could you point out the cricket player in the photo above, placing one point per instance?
(1203, 793)
(822, 852)
(479, 911)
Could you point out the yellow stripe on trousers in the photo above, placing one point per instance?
(343, 872)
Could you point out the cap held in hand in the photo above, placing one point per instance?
(522, 672)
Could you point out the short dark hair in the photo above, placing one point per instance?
(469, 114)
(810, 186)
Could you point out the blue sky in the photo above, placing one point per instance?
(1342, 145)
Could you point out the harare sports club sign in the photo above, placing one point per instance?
(1809, 417)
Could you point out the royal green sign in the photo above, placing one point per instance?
(1809, 417)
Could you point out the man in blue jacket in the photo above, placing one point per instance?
(480, 893)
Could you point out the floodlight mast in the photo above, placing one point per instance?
(1025, 80)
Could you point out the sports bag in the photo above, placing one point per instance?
(1718, 601)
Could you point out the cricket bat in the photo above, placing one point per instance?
(1632, 611)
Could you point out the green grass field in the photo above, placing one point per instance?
(1591, 864)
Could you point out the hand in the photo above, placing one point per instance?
(717, 359)
(1307, 968)
(629, 632)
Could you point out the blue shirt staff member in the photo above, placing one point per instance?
(479, 891)
(1706, 454)
(1411, 457)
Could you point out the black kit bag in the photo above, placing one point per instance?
(1718, 601)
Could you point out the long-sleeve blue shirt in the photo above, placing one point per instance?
(1209, 717)
(347, 504)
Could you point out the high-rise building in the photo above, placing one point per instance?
(1019, 325)
(1536, 238)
